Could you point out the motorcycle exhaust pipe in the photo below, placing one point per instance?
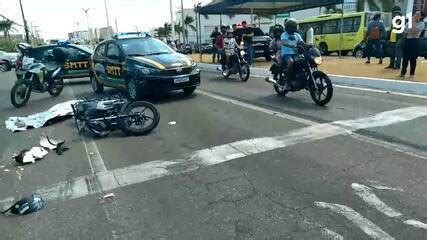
(270, 80)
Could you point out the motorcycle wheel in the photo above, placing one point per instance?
(3, 67)
(20, 93)
(245, 72)
(56, 87)
(281, 91)
(323, 83)
(147, 118)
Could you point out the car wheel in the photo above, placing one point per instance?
(133, 90)
(358, 53)
(189, 90)
(96, 86)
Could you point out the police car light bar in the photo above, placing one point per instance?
(130, 35)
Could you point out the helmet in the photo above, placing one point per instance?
(291, 25)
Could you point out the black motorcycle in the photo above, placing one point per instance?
(39, 77)
(306, 76)
(236, 65)
(101, 116)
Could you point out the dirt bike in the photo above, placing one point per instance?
(237, 65)
(38, 78)
(101, 116)
(306, 76)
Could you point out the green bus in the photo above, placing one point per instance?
(327, 28)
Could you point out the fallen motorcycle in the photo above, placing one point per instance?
(40, 78)
(101, 116)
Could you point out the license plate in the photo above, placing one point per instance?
(181, 80)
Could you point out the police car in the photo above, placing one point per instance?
(76, 64)
(141, 64)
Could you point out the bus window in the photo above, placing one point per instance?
(347, 25)
(356, 24)
(330, 27)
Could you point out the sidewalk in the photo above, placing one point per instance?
(347, 66)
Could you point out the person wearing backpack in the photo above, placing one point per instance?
(374, 37)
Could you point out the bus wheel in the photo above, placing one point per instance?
(324, 49)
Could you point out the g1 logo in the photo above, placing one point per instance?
(399, 23)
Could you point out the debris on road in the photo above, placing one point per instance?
(56, 113)
(26, 205)
(30, 156)
(1, 166)
(53, 144)
(172, 123)
(7, 170)
(107, 197)
(19, 175)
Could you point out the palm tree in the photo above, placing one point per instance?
(188, 22)
(259, 16)
(165, 31)
(6, 26)
(179, 29)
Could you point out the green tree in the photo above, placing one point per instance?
(164, 31)
(179, 29)
(188, 23)
(6, 26)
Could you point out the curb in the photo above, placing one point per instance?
(373, 83)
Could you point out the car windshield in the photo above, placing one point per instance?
(144, 47)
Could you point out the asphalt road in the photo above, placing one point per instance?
(240, 163)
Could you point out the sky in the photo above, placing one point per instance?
(55, 18)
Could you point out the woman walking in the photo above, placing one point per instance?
(411, 44)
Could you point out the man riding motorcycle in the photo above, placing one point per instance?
(230, 50)
(290, 39)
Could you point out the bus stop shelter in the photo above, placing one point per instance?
(267, 7)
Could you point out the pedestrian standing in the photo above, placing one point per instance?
(374, 37)
(394, 42)
(219, 44)
(215, 33)
(247, 37)
(411, 46)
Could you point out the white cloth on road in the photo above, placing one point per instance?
(38, 120)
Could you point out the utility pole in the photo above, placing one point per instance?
(182, 18)
(117, 28)
(172, 21)
(86, 10)
(108, 21)
(27, 36)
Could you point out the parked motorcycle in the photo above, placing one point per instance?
(236, 65)
(101, 116)
(306, 76)
(39, 77)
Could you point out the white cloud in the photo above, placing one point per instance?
(56, 18)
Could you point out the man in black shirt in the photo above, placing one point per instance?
(214, 35)
(247, 37)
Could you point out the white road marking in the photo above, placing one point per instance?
(108, 180)
(363, 223)
(381, 91)
(329, 234)
(367, 195)
(257, 108)
(416, 223)
(371, 78)
(94, 157)
(392, 146)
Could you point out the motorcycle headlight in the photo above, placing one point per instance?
(242, 53)
(318, 60)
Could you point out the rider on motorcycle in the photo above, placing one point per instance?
(230, 50)
(290, 39)
(276, 48)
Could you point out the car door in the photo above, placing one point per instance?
(99, 62)
(114, 65)
(77, 63)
